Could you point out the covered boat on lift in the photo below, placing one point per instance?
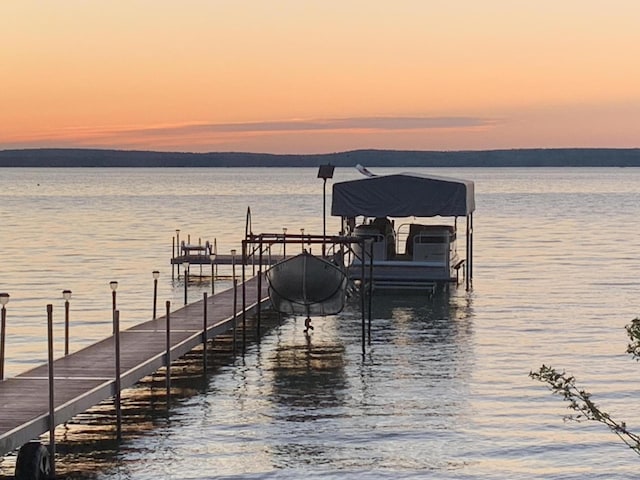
(405, 253)
(306, 284)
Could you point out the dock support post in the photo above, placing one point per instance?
(168, 353)
(362, 303)
(469, 245)
(66, 294)
(284, 242)
(204, 332)
(156, 275)
(52, 420)
(185, 266)
(235, 317)
(259, 306)
(370, 292)
(4, 299)
(117, 398)
(244, 300)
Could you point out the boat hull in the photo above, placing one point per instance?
(307, 285)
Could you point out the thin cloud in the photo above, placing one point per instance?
(197, 134)
(334, 124)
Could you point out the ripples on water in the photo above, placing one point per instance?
(443, 390)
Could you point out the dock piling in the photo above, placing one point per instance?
(66, 294)
(4, 299)
(204, 332)
(52, 423)
(168, 353)
(117, 397)
(156, 275)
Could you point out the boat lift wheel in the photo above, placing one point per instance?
(33, 462)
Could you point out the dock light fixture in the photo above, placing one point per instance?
(114, 286)
(66, 295)
(185, 267)
(156, 276)
(4, 299)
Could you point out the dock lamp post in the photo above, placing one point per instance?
(66, 294)
(4, 299)
(156, 276)
(185, 267)
(324, 172)
(114, 286)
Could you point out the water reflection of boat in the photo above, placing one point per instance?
(307, 285)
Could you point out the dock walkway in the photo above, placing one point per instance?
(87, 377)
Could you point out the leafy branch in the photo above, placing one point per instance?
(580, 401)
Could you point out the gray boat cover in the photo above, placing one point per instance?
(403, 195)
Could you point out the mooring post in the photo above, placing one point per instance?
(52, 419)
(117, 397)
(204, 331)
(168, 353)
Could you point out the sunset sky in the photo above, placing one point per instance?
(306, 76)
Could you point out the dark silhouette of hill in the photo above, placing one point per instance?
(552, 157)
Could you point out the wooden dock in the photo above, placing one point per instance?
(87, 377)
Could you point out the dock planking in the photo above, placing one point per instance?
(84, 378)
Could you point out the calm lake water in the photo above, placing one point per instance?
(443, 391)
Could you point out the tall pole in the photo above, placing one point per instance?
(117, 398)
(324, 216)
(185, 266)
(4, 299)
(156, 275)
(114, 286)
(167, 378)
(212, 257)
(52, 422)
(204, 332)
(66, 294)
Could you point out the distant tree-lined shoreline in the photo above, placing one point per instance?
(540, 157)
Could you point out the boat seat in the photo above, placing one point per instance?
(415, 229)
(385, 227)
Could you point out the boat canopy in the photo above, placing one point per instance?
(403, 195)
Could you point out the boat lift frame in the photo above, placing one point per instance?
(255, 246)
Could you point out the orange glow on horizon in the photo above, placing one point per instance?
(116, 74)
